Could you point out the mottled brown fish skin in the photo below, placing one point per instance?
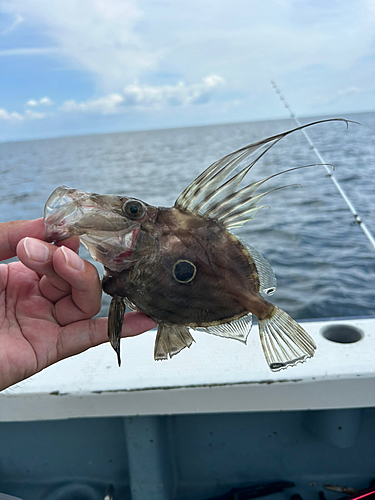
(225, 286)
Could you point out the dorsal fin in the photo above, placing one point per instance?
(215, 196)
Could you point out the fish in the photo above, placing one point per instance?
(182, 265)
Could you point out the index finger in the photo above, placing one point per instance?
(12, 232)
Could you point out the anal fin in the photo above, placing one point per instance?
(285, 343)
(170, 340)
(115, 321)
(237, 329)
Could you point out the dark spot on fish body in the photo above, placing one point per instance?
(184, 271)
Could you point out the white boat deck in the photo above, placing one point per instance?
(214, 375)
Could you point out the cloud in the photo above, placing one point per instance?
(44, 101)
(139, 97)
(168, 95)
(349, 90)
(246, 42)
(100, 36)
(16, 21)
(313, 48)
(11, 117)
(26, 51)
(34, 115)
(104, 105)
(147, 96)
(18, 117)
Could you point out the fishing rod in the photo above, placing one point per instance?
(350, 205)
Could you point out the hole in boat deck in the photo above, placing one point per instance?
(342, 334)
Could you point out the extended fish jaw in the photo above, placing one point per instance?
(60, 212)
(53, 235)
(58, 231)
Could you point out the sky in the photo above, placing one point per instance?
(71, 67)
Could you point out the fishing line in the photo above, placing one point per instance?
(343, 194)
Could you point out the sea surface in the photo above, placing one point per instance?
(323, 262)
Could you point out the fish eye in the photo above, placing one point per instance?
(134, 209)
(184, 271)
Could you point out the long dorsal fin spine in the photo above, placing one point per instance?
(213, 211)
(238, 209)
(231, 186)
(211, 184)
(240, 221)
(233, 183)
(205, 195)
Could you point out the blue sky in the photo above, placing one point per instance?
(89, 66)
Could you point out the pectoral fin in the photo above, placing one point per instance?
(115, 321)
(170, 340)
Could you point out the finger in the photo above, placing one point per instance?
(3, 283)
(79, 337)
(12, 232)
(72, 243)
(38, 256)
(52, 290)
(84, 300)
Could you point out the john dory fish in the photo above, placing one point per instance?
(182, 266)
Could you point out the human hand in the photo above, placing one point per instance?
(47, 301)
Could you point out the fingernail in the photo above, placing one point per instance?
(72, 259)
(36, 250)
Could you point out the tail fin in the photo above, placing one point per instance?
(285, 343)
(170, 340)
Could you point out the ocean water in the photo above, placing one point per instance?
(324, 264)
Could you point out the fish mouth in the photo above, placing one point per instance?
(52, 235)
(61, 209)
(98, 221)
